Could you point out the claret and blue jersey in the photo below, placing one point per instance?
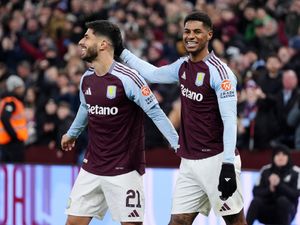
(208, 98)
(112, 105)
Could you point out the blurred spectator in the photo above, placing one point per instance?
(65, 119)
(24, 71)
(257, 124)
(47, 124)
(174, 115)
(276, 192)
(247, 24)
(285, 100)
(266, 32)
(270, 81)
(3, 77)
(293, 120)
(30, 110)
(292, 20)
(13, 123)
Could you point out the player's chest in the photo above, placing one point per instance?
(103, 92)
(195, 82)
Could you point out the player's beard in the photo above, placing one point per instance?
(91, 54)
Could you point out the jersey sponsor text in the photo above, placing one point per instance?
(99, 110)
(191, 94)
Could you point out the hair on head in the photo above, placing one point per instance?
(107, 29)
(199, 16)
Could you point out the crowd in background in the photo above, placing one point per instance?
(258, 39)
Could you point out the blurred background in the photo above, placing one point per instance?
(258, 39)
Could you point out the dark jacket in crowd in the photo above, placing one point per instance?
(279, 206)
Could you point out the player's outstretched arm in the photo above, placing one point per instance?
(164, 125)
(78, 125)
(166, 74)
(140, 93)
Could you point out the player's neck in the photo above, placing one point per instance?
(199, 56)
(102, 65)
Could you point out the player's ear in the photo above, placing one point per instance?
(210, 34)
(104, 44)
(101, 44)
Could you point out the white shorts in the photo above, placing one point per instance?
(196, 188)
(92, 195)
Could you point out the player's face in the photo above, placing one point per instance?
(196, 36)
(88, 44)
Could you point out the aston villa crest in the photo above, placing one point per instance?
(199, 79)
(111, 91)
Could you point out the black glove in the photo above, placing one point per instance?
(227, 181)
(118, 49)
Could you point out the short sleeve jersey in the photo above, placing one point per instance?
(203, 85)
(115, 104)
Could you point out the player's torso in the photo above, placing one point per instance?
(201, 124)
(115, 126)
(106, 99)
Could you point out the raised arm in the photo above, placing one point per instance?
(166, 74)
(143, 97)
(164, 125)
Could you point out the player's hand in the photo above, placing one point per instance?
(67, 143)
(119, 49)
(227, 181)
(175, 148)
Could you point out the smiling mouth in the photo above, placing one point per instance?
(191, 44)
(83, 50)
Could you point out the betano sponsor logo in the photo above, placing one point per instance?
(191, 94)
(99, 110)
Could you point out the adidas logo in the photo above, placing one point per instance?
(183, 76)
(134, 213)
(224, 208)
(88, 92)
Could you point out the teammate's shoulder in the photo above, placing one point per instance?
(119, 68)
(127, 74)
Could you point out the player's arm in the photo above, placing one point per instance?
(78, 125)
(227, 101)
(224, 85)
(143, 97)
(166, 74)
(164, 125)
(228, 111)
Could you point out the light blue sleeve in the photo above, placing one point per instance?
(227, 101)
(228, 113)
(137, 90)
(81, 118)
(143, 96)
(164, 125)
(166, 74)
